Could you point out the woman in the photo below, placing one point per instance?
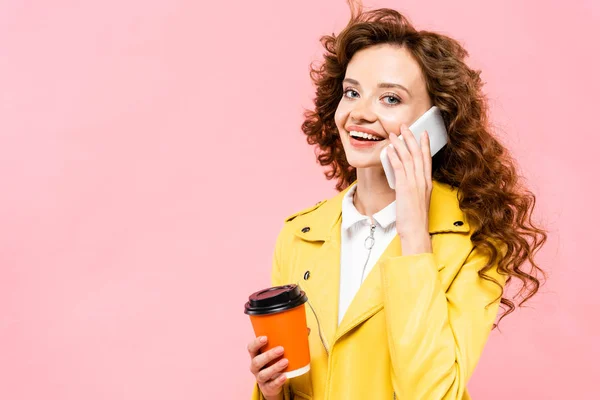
(406, 316)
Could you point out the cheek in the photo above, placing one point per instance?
(341, 114)
(392, 123)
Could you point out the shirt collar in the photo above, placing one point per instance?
(351, 216)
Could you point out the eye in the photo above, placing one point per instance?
(350, 93)
(392, 99)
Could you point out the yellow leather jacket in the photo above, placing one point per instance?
(418, 324)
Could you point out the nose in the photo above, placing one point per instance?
(362, 112)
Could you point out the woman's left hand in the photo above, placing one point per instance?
(412, 168)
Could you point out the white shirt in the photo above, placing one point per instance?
(355, 229)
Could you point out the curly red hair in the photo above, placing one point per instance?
(474, 161)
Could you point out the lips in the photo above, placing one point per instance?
(364, 144)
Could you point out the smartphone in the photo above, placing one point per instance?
(433, 123)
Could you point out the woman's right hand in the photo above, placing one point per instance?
(270, 380)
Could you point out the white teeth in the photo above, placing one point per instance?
(364, 135)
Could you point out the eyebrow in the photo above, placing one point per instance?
(385, 85)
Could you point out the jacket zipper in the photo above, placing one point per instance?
(319, 329)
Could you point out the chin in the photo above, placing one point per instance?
(363, 158)
(364, 161)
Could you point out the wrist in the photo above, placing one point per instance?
(416, 244)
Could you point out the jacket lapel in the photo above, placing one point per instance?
(369, 298)
(323, 285)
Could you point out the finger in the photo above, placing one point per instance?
(274, 384)
(399, 172)
(255, 345)
(415, 151)
(274, 370)
(405, 157)
(426, 149)
(263, 359)
(411, 141)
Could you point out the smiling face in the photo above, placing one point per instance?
(383, 89)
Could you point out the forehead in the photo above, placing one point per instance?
(386, 63)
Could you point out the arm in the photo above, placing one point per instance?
(436, 338)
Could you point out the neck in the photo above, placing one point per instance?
(373, 193)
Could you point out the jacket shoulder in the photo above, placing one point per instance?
(305, 211)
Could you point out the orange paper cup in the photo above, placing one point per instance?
(279, 314)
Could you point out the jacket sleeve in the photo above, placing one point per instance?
(436, 337)
(276, 280)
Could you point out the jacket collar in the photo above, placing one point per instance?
(445, 214)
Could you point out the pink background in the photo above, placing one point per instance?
(149, 151)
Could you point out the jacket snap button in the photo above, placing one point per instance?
(458, 223)
(306, 275)
(305, 229)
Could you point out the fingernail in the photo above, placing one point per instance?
(263, 339)
(391, 146)
(279, 350)
(282, 378)
(283, 362)
(401, 137)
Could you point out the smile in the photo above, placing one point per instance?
(362, 136)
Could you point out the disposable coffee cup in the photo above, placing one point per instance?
(279, 314)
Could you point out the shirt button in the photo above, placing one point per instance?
(458, 223)
(305, 229)
(306, 275)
